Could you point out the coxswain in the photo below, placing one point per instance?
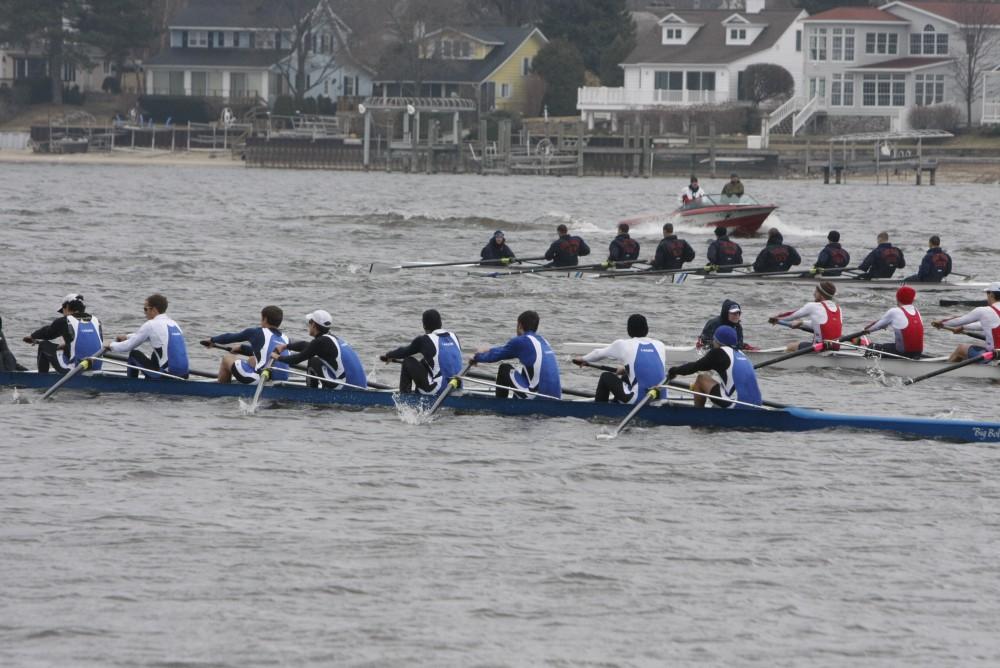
(883, 260)
(983, 318)
(7, 360)
(692, 194)
(824, 315)
(80, 333)
(907, 326)
(496, 251)
(644, 363)
(935, 265)
(723, 251)
(623, 250)
(540, 370)
(170, 354)
(671, 252)
(730, 315)
(833, 256)
(776, 255)
(734, 188)
(257, 344)
(326, 355)
(440, 357)
(566, 250)
(738, 378)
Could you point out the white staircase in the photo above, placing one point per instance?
(799, 108)
(811, 108)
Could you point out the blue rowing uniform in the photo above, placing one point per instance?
(540, 372)
(260, 343)
(741, 381)
(447, 360)
(350, 370)
(175, 355)
(86, 341)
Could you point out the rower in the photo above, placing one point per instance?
(833, 256)
(734, 188)
(7, 360)
(671, 252)
(692, 194)
(623, 250)
(540, 370)
(644, 360)
(730, 315)
(326, 355)
(496, 251)
(906, 323)
(985, 318)
(259, 343)
(739, 380)
(935, 265)
(776, 255)
(441, 356)
(80, 333)
(566, 250)
(722, 251)
(883, 260)
(169, 354)
(824, 315)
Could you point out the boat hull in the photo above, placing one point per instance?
(740, 219)
(665, 414)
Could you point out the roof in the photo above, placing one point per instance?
(908, 63)
(255, 58)
(861, 14)
(441, 70)
(231, 14)
(959, 12)
(709, 44)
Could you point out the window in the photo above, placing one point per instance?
(68, 72)
(669, 81)
(928, 89)
(444, 48)
(882, 43)
(525, 67)
(842, 45)
(817, 87)
(324, 43)
(199, 83)
(817, 44)
(737, 34)
(504, 90)
(464, 49)
(236, 40)
(842, 90)
(176, 83)
(929, 42)
(197, 38)
(348, 86)
(253, 40)
(700, 81)
(883, 90)
(673, 34)
(798, 41)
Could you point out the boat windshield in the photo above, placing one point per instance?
(720, 200)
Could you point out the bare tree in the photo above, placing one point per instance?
(308, 61)
(979, 33)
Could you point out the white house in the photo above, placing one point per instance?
(698, 57)
(882, 62)
(232, 50)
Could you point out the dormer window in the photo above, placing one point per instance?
(673, 35)
(737, 34)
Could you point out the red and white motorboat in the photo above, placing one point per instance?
(742, 216)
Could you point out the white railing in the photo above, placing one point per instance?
(785, 109)
(817, 103)
(594, 98)
(991, 112)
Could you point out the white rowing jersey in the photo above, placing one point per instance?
(986, 317)
(645, 362)
(167, 340)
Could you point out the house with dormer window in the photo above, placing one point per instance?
(489, 65)
(235, 51)
(698, 57)
(878, 63)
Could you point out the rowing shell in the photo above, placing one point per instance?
(841, 359)
(665, 414)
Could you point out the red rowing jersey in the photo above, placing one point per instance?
(995, 332)
(832, 329)
(912, 336)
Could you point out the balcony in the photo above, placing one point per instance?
(627, 99)
(240, 95)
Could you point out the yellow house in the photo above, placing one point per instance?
(491, 65)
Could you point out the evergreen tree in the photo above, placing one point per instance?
(560, 64)
(602, 30)
(47, 24)
(118, 28)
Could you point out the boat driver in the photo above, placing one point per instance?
(692, 195)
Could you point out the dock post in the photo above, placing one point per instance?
(484, 129)
(432, 137)
(920, 158)
(173, 138)
(646, 162)
(829, 160)
(414, 140)
(391, 133)
(579, 148)
(807, 157)
(189, 137)
(826, 175)
(367, 150)
(711, 145)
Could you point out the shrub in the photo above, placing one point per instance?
(309, 106)
(111, 85)
(33, 91)
(284, 105)
(180, 108)
(935, 117)
(72, 95)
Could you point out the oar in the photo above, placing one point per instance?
(494, 385)
(963, 302)
(193, 372)
(453, 384)
(877, 352)
(537, 270)
(117, 361)
(651, 395)
(814, 348)
(83, 365)
(565, 390)
(756, 274)
(767, 404)
(975, 335)
(985, 357)
(370, 388)
(700, 271)
(265, 375)
(376, 267)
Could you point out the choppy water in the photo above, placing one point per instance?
(153, 532)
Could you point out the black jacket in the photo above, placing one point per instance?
(672, 253)
(883, 261)
(776, 256)
(565, 250)
(708, 331)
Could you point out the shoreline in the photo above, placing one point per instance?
(967, 171)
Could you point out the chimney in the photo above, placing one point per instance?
(754, 6)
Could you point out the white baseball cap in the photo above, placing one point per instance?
(994, 287)
(71, 297)
(321, 318)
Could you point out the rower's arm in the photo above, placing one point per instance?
(614, 351)
(884, 322)
(140, 336)
(963, 320)
(507, 351)
(54, 330)
(406, 351)
(714, 360)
